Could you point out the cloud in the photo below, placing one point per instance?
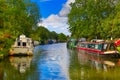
(55, 21)
(66, 8)
(58, 23)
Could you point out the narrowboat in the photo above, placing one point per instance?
(71, 43)
(22, 46)
(99, 47)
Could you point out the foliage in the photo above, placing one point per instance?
(94, 18)
(62, 37)
(53, 35)
(42, 33)
(16, 17)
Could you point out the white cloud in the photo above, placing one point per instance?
(55, 21)
(66, 8)
(58, 23)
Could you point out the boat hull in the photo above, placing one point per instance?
(22, 51)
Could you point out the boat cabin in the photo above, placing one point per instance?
(98, 47)
(23, 41)
(22, 45)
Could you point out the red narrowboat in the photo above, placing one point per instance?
(99, 48)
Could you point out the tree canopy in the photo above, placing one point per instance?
(94, 18)
(18, 16)
(42, 33)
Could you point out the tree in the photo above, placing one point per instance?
(86, 17)
(41, 33)
(111, 25)
(62, 37)
(53, 35)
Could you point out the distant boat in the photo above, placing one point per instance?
(23, 45)
(71, 43)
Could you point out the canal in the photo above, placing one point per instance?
(56, 62)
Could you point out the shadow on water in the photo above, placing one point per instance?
(86, 66)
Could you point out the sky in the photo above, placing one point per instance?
(54, 14)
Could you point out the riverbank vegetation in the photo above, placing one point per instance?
(43, 34)
(95, 19)
(21, 17)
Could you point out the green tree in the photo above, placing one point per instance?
(111, 25)
(41, 33)
(86, 16)
(53, 35)
(62, 37)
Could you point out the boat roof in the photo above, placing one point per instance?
(97, 42)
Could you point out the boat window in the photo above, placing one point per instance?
(105, 46)
(91, 46)
(112, 47)
(82, 45)
(18, 44)
(24, 43)
(88, 46)
(98, 46)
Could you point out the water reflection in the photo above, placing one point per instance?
(49, 62)
(85, 66)
(99, 63)
(1, 71)
(20, 63)
(12, 68)
(54, 63)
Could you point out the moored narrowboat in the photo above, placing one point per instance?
(22, 46)
(71, 43)
(99, 48)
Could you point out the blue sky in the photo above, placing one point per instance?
(49, 7)
(54, 14)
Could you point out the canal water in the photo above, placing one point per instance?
(56, 62)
